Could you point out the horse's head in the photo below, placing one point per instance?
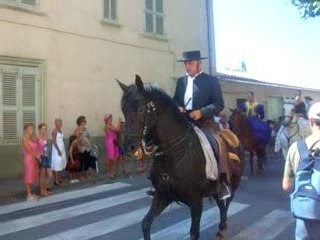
(288, 111)
(139, 112)
(237, 120)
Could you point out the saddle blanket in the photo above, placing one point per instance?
(211, 162)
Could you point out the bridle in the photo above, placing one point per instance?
(150, 148)
(291, 124)
(150, 114)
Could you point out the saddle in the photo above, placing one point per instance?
(232, 140)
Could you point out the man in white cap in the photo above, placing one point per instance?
(305, 229)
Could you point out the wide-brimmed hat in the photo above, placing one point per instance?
(107, 116)
(308, 98)
(190, 56)
(314, 111)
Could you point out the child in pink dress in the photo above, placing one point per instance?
(111, 145)
(45, 163)
(30, 160)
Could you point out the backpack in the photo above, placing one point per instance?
(305, 199)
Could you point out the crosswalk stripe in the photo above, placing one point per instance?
(209, 218)
(62, 197)
(106, 226)
(69, 212)
(268, 228)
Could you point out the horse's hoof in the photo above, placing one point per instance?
(220, 236)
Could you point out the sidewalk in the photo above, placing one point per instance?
(12, 190)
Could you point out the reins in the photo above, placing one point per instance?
(174, 145)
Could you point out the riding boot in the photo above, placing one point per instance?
(224, 191)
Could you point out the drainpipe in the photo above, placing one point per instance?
(210, 36)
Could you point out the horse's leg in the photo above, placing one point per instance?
(223, 209)
(196, 212)
(261, 154)
(157, 206)
(251, 163)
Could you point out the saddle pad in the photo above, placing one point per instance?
(211, 168)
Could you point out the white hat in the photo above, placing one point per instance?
(314, 111)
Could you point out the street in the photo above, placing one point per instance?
(114, 211)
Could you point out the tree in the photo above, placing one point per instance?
(309, 8)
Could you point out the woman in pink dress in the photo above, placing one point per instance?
(30, 160)
(111, 145)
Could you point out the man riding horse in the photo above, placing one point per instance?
(255, 114)
(199, 97)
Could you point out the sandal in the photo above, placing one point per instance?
(32, 198)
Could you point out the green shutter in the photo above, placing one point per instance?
(149, 5)
(10, 2)
(110, 9)
(106, 9)
(113, 8)
(159, 6)
(8, 104)
(19, 100)
(28, 98)
(28, 2)
(159, 24)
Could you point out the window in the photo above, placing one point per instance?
(20, 3)
(154, 18)
(110, 10)
(19, 100)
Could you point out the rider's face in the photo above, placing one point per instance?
(192, 67)
(250, 97)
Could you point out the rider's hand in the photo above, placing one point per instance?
(181, 109)
(195, 115)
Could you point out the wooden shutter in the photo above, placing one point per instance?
(29, 96)
(113, 8)
(19, 100)
(110, 9)
(9, 104)
(28, 2)
(159, 17)
(106, 9)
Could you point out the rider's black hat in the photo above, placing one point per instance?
(190, 56)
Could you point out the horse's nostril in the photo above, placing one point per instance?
(131, 147)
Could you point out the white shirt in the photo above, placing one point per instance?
(188, 95)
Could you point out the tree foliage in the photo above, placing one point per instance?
(309, 8)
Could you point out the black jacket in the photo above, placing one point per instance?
(207, 95)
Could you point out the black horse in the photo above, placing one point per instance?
(178, 169)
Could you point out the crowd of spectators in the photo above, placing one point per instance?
(51, 161)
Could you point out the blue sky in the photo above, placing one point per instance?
(276, 44)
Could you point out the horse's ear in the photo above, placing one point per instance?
(139, 83)
(122, 85)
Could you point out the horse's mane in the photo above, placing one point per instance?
(153, 93)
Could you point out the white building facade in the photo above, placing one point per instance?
(60, 59)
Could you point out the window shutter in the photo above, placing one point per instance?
(29, 2)
(159, 6)
(113, 7)
(8, 103)
(149, 22)
(149, 5)
(159, 24)
(19, 100)
(12, 2)
(106, 8)
(110, 9)
(29, 88)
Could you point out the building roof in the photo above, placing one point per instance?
(241, 79)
